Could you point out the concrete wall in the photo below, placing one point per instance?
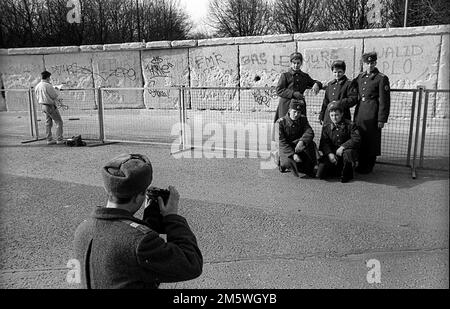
(408, 56)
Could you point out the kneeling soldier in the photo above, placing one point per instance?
(339, 144)
(297, 148)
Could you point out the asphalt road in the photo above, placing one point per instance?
(256, 228)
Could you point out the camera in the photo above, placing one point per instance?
(153, 193)
(152, 213)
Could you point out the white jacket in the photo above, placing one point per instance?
(46, 93)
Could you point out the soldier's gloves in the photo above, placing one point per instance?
(340, 151)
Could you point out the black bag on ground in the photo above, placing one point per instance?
(75, 141)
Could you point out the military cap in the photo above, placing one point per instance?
(127, 175)
(297, 104)
(296, 55)
(339, 64)
(334, 106)
(369, 57)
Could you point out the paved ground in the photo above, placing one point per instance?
(256, 228)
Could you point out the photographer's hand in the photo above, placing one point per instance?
(172, 203)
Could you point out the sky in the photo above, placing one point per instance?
(197, 9)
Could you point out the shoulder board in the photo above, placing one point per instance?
(144, 229)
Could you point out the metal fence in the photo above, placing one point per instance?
(240, 119)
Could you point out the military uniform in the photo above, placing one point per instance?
(342, 91)
(290, 133)
(345, 134)
(289, 83)
(373, 107)
(117, 250)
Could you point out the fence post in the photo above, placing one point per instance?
(424, 126)
(30, 111)
(180, 114)
(183, 123)
(416, 136)
(411, 128)
(100, 115)
(33, 108)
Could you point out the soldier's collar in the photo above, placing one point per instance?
(293, 72)
(111, 213)
(339, 124)
(373, 73)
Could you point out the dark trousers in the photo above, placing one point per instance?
(306, 165)
(366, 163)
(344, 164)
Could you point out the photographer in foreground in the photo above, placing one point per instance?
(117, 250)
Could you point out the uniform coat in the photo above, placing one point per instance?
(290, 133)
(117, 250)
(289, 83)
(345, 134)
(373, 107)
(342, 91)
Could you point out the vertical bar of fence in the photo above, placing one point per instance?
(424, 127)
(100, 115)
(180, 114)
(416, 137)
(35, 120)
(30, 111)
(183, 105)
(411, 128)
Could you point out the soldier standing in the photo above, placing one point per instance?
(292, 85)
(340, 90)
(372, 111)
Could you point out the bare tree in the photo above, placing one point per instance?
(240, 17)
(297, 16)
(26, 23)
(346, 14)
(420, 13)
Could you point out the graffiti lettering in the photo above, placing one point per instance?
(281, 60)
(264, 97)
(210, 62)
(254, 59)
(158, 93)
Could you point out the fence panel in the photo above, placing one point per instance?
(397, 134)
(79, 112)
(15, 113)
(227, 118)
(434, 143)
(140, 121)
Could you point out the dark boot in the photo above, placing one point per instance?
(321, 171)
(347, 172)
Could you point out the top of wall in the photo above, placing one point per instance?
(312, 36)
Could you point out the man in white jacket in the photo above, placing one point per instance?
(47, 96)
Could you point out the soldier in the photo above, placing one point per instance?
(340, 90)
(371, 112)
(292, 85)
(297, 148)
(339, 144)
(117, 250)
